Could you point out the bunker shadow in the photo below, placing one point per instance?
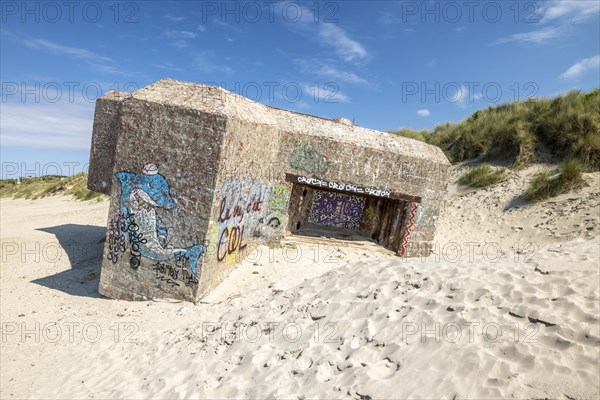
(83, 245)
(332, 233)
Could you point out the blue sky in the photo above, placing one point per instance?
(383, 64)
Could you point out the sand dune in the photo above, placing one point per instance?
(515, 316)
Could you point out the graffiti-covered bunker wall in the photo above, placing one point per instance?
(198, 176)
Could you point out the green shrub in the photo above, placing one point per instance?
(567, 125)
(483, 175)
(80, 191)
(369, 212)
(545, 185)
(409, 133)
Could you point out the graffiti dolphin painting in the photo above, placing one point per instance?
(141, 194)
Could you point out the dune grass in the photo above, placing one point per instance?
(545, 184)
(567, 125)
(482, 176)
(39, 187)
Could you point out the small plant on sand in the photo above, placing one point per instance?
(369, 212)
(482, 176)
(545, 184)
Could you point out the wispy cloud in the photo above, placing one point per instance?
(96, 62)
(346, 76)
(168, 66)
(63, 124)
(204, 61)
(325, 93)
(62, 50)
(556, 18)
(173, 34)
(330, 35)
(329, 71)
(571, 10)
(174, 18)
(533, 37)
(350, 50)
(388, 18)
(179, 44)
(581, 67)
(423, 112)
(179, 39)
(462, 97)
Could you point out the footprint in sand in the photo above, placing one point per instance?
(383, 369)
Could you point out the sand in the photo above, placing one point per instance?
(507, 307)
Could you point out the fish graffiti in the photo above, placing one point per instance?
(138, 223)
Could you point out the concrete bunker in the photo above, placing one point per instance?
(319, 208)
(198, 175)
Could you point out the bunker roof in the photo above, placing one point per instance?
(216, 100)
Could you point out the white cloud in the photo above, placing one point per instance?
(201, 28)
(460, 97)
(582, 67)
(329, 34)
(559, 16)
(179, 44)
(172, 34)
(349, 49)
(168, 66)
(324, 94)
(174, 18)
(204, 61)
(61, 50)
(423, 113)
(572, 10)
(64, 124)
(533, 37)
(332, 72)
(179, 38)
(95, 61)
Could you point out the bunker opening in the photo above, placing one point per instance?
(323, 209)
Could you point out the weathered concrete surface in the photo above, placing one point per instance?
(104, 141)
(199, 174)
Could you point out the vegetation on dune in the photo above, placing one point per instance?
(35, 188)
(547, 184)
(567, 125)
(482, 176)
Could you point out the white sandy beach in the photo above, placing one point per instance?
(507, 307)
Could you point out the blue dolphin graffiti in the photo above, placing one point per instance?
(141, 194)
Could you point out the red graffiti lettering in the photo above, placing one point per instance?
(231, 239)
(222, 238)
(225, 213)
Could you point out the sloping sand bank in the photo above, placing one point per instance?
(503, 309)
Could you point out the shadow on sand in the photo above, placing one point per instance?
(83, 245)
(517, 202)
